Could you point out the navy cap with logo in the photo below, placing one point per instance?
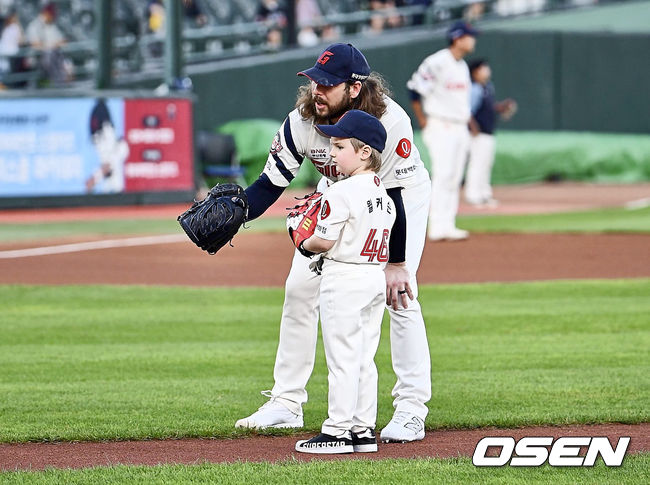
(337, 64)
(360, 125)
(459, 29)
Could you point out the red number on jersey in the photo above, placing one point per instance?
(375, 249)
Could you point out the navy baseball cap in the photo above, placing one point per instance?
(459, 29)
(337, 64)
(360, 125)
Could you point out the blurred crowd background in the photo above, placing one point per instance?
(53, 43)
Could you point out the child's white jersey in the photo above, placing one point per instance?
(358, 214)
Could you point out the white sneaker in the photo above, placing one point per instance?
(453, 234)
(402, 428)
(272, 414)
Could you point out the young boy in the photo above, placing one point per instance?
(352, 237)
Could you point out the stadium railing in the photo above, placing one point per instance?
(136, 51)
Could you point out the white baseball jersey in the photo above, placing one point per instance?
(358, 214)
(444, 84)
(299, 139)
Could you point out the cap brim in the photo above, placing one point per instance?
(332, 131)
(321, 77)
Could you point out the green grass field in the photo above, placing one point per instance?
(89, 363)
(136, 362)
(635, 469)
(102, 362)
(604, 220)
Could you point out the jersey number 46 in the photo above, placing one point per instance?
(374, 248)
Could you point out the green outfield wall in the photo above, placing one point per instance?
(561, 80)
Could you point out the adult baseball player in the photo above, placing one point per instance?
(440, 96)
(341, 80)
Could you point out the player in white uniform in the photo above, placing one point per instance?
(440, 95)
(341, 80)
(352, 234)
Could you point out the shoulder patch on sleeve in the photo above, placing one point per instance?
(403, 148)
(276, 146)
(325, 210)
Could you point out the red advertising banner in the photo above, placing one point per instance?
(159, 135)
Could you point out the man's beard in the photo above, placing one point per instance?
(333, 112)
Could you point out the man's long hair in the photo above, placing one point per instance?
(370, 99)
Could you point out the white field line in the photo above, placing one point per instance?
(89, 246)
(638, 204)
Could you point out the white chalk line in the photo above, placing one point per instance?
(92, 245)
(638, 204)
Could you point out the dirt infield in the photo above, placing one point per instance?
(437, 444)
(260, 259)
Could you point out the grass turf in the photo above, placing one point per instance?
(635, 470)
(605, 220)
(131, 362)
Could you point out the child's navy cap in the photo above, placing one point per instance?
(360, 125)
(337, 64)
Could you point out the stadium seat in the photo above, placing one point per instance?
(217, 154)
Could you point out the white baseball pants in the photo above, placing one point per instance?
(351, 308)
(295, 356)
(448, 143)
(479, 168)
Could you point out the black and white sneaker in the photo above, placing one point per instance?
(326, 444)
(365, 442)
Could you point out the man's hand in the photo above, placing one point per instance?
(397, 285)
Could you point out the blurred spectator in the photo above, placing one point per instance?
(194, 14)
(482, 125)
(274, 16)
(385, 15)
(6, 7)
(155, 16)
(309, 19)
(44, 36)
(307, 15)
(474, 11)
(417, 19)
(11, 40)
(518, 7)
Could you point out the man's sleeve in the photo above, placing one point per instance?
(287, 151)
(261, 195)
(397, 243)
(423, 80)
(334, 212)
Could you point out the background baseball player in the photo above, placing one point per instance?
(440, 90)
(352, 234)
(341, 80)
(478, 190)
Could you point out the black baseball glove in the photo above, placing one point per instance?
(215, 220)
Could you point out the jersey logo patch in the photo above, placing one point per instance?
(403, 148)
(325, 210)
(376, 181)
(276, 146)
